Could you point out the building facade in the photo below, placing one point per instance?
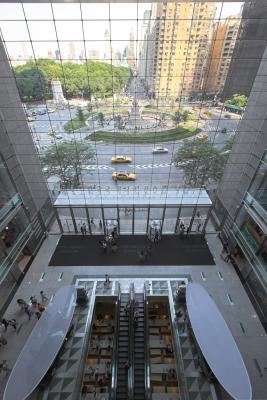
(25, 207)
(241, 197)
(221, 51)
(249, 49)
(179, 39)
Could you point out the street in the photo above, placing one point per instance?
(153, 170)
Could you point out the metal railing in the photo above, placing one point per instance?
(131, 346)
(14, 252)
(8, 207)
(147, 354)
(114, 372)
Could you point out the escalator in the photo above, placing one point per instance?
(139, 347)
(123, 360)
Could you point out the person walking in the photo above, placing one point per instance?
(13, 322)
(38, 314)
(33, 301)
(4, 367)
(100, 224)
(5, 323)
(224, 249)
(82, 230)
(28, 311)
(3, 341)
(92, 222)
(40, 307)
(21, 303)
(44, 298)
(228, 257)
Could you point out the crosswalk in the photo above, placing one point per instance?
(137, 166)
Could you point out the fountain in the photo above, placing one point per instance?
(135, 120)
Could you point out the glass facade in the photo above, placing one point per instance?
(111, 91)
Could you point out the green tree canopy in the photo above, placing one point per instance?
(91, 78)
(200, 161)
(67, 159)
(239, 100)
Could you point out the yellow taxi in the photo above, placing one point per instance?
(121, 159)
(123, 176)
(202, 136)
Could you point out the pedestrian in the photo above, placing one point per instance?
(92, 221)
(127, 366)
(21, 303)
(33, 301)
(3, 341)
(149, 251)
(156, 237)
(228, 257)
(5, 323)
(28, 311)
(82, 230)
(199, 227)
(114, 248)
(38, 314)
(224, 249)
(107, 280)
(13, 322)
(41, 307)
(187, 231)
(182, 230)
(103, 245)
(4, 367)
(100, 224)
(44, 298)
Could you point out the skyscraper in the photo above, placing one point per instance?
(179, 44)
(221, 51)
(131, 55)
(72, 52)
(144, 44)
(108, 49)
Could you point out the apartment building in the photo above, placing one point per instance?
(221, 51)
(179, 43)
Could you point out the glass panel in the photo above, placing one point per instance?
(14, 229)
(170, 218)
(126, 218)
(96, 221)
(66, 220)
(140, 220)
(81, 219)
(199, 220)
(6, 185)
(185, 217)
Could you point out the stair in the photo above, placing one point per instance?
(123, 350)
(139, 350)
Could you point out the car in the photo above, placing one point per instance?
(123, 176)
(50, 110)
(40, 111)
(58, 136)
(121, 159)
(224, 130)
(202, 136)
(31, 119)
(158, 150)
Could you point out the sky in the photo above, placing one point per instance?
(118, 19)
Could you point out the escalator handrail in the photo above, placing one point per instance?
(114, 374)
(131, 345)
(147, 353)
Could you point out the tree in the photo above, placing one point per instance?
(177, 117)
(238, 100)
(34, 79)
(200, 161)
(67, 160)
(185, 115)
(101, 118)
(80, 114)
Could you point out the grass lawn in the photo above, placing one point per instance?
(143, 137)
(75, 123)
